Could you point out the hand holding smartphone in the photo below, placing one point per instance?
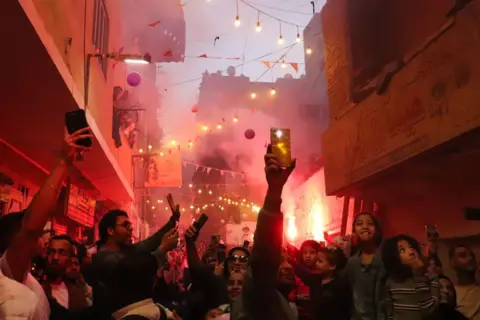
(174, 207)
(74, 121)
(281, 146)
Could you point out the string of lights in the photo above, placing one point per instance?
(266, 14)
(280, 9)
(221, 203)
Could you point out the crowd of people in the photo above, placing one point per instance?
(164, 277)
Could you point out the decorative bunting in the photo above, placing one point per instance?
(266, 63)
(169, 53)
(202, 56)
(207, 169)
(294, 66)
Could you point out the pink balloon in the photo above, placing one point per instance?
(195, 108)
(134, 79)
(249, 134)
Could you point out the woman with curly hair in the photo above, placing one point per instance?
(411, 293)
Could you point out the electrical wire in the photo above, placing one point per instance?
(238, 66)
(280, 9)
(84, 51)
(270, 15)
(276, 62)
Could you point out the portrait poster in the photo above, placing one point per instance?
(163, 171)
(238, 233)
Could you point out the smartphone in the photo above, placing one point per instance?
(281, 146)
(76, 120)
(215, 238)
(200, 222)
(471, 214)
(246, 244)
(171, 203)
(221, 256)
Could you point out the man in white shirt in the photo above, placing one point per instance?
(17, 302)
(464, 263)
(20, 232)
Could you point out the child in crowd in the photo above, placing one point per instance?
(365, 272)
(330, 295)
(306, 259)
(410, 293)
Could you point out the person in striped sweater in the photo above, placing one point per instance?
(411, 293)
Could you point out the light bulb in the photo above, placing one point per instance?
(190, 185)
(253, 95)
(280, 39)
(298, 38)
(205, 128)
(140, 150)
(308, 51)
(190, 144)
(273, 92)
(284, 65)
(173, 142)
(149, 147)
(235, 119)
(153, 207)
(237, 21)
(219, 126)
(210, 192)
(199, 190)
(161, 154)
(258, 27)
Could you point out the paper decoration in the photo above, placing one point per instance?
(154, 24)
(294, 66)
(169, 53)
(249, 134)
(266, 63)
(134, 79)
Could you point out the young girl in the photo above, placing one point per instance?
(410, 293)
(365, 272)
(329, 292)
(308, 253)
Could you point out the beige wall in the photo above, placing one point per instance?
(432, 100)
(64, 19)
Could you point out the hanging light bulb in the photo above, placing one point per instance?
(140, 150)
(258, 27)
(235, 119)
(190, 144)
(173, 142)
(280, 38)
(205, 128)
(237, 21)
(149, 147)
(308, 51)
(219, 126)
(284, 65)
(298, 36)
(161, 154)
(210, 192)
(273, 92)
(253, 95)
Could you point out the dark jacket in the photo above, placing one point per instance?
(260, 298)
(101, 271)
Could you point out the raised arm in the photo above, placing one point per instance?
(153, 242)
(267, 248)
(24, 245)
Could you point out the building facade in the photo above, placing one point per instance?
(402, 86)
(49, 75)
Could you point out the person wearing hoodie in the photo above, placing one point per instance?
(260, 298)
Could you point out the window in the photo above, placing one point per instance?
(101, 28)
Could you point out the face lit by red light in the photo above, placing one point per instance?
(364, 227)
(309, 256)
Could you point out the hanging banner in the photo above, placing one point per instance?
(236, 234)
(163, 171)
(81, 206)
